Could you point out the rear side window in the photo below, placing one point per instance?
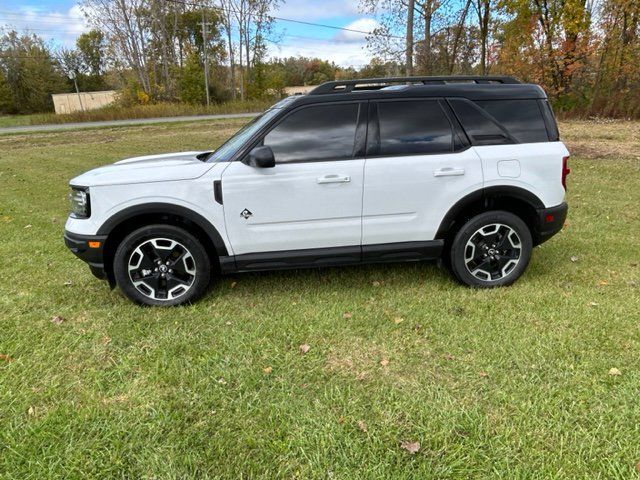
(413, 127)
(315, 133)
(481, 129)
(522, 118)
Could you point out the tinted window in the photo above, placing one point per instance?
(413, 127)
(550, 120)
(322, 132)
(522, 118)
(479, 127)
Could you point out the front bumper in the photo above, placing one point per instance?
(92, 255)
(550, 221)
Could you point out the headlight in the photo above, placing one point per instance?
(80, 202)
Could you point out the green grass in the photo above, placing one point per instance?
(508, 383)
(15, 120)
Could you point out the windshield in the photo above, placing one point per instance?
(228, 149)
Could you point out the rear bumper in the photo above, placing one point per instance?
(550, 221)
(94, 257)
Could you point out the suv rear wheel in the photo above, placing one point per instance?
(162, 265)
(492, 249)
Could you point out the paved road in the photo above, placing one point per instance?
(120, 123)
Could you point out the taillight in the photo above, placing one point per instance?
(565, 171)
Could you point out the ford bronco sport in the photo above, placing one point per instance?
(469, 170)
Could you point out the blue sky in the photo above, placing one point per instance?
(60, 21)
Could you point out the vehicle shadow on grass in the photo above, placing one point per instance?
(346, 278)
(357, 277)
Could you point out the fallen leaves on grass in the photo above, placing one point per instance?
(384, 362)
(233, 284)
(304, 348)
(448, 356)
(375, 283)
(28, 226)
(593, 304)
(574, 259)
(267, 370)
(57, 320)
(602, 283)
(483, 374)
(362, 426)
(5, 358)
(31, 411)
(411, 447)
(615, 372)
(347, 315)
(398, 320)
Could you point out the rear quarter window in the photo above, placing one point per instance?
(523, 119)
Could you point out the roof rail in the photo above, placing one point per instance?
(346, 86)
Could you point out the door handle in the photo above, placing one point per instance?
(333, 179)
(448, 172)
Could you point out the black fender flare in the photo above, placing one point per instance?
(166, 209)
(479, 196)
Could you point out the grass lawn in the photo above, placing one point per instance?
(117, 112)
(508, 383)
(15, 120)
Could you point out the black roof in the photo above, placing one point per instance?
(472, 88)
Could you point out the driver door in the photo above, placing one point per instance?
(312, 198)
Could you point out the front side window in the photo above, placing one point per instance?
(228, 149)
(416, 127)
(315, 133)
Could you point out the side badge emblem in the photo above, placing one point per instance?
(246, 214)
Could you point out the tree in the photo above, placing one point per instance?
(192, 80)
(91, 48)
(30, 72)
(6, 95)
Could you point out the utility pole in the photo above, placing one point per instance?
(409, 52)
(75, 82)
(206, 60)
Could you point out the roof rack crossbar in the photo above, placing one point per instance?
(346, 86)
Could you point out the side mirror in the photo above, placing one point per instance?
(262, 157)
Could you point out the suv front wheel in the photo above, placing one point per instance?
(162, 265)
(492, 249)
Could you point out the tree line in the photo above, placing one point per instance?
(585, 53)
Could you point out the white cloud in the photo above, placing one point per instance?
(317, 9)
(343, 54)
(345, 48)
(60, 27)
(361, 25)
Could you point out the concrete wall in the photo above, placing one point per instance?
(69, 102)
(299, 90)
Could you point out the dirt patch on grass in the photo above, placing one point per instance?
(602, 138)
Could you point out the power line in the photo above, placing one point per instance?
(283, 19)
(217, 7)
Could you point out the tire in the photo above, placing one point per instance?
(181, 276)
(491, 250)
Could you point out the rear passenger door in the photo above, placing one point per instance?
(418, 165)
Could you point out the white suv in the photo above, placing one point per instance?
(467, 169)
